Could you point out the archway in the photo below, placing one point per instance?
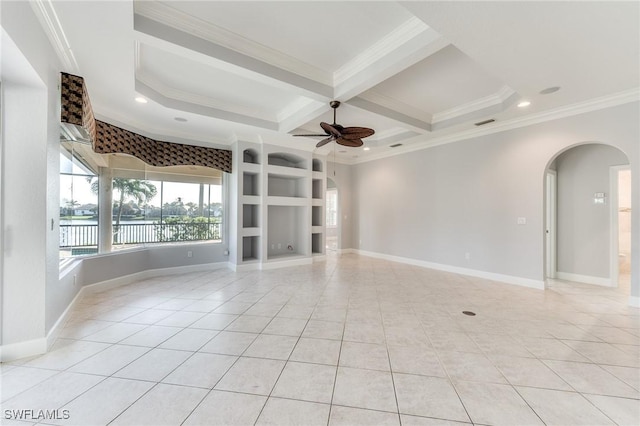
(332, 216)
(581, 215)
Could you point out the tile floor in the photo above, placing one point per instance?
(349, 341)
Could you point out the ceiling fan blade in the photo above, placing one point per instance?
(323, 142)
(353, 143)
(352, 133)
(330, 130)
(323, 135)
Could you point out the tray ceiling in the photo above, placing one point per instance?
(416, 72)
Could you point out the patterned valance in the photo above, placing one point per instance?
(76, 107)
(109, 139)
(112, 139)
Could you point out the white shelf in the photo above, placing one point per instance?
(286, 171)
(286, 256)
(288, 201)
(250, 199)
(251, 232)
(317, 202)
(317, 229)
(318, 175)
(251, 167)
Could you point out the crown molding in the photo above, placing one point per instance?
(182, 21)
(402, 34)
(378, 98)
(50, 23)
(198, 99)
(608, 101)
(492, 100)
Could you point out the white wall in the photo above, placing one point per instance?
(437, 204)
(583, 234)
(30, 72)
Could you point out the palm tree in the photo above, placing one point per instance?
(140, 190)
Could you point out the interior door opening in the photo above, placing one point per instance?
(332, 230)
(621, 228)
(550, 227)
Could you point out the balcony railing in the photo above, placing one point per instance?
(140, 233)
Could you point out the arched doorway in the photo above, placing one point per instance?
(584, 186)
(332, 217)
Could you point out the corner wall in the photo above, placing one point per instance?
(438, 204)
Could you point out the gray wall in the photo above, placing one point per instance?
(583, 233)
(438, 204)
(341, 175)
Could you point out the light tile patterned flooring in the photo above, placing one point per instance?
(350, 341)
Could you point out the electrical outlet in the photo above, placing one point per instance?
(273, 246)
(279, 246)
(521, 221)
(467, 256)
(226, 252)
(189, 253)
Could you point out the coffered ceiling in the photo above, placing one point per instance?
(419, 73)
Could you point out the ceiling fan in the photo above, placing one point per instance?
(347, 136)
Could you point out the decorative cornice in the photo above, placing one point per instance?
(621, 98)
(381, 48)
(492, 100)
(182, 21)
(50, 23)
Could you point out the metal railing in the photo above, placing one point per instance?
(140, 233)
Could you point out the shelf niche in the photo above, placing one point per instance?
(316, 243)
(250, 248)
(316, 165)
(316, 216)
(286, 186)
(250, 156)
(250, 218)
(287, 226)
(283, 159)
(316, 189)
(250, 184)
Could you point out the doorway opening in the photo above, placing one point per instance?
(620, 227)
(550, 220)
(331, 215)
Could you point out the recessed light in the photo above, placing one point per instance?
(524, 104)
(366, 148)
(141, 100)
(180, 119)
(549, 90)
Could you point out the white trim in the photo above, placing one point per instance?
(614, 246)
(400, 35)
(194, 26)
(347, 251)
(586, 279)
(62, 320)
(265, 266)
(508, 279)
(50, 23)
(13, 351)
(608, 101)
(634, 301)
(495, 99)
(150, 273)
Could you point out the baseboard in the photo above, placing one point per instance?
(62, 320)
(285, 263)
(634, 301)
(346, 251)
(18, 350)
(319, 258)
(586, 279)
(507, 279)
(151, 273)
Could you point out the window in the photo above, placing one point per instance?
(150, 205)
(78, 202)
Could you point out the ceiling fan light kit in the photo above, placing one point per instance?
(345, 136)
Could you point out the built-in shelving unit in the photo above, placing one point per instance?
(280, 205)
